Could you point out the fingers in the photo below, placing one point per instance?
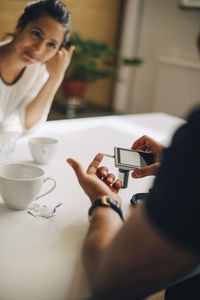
(109, 179)
(146, 171)
(68, 52)
(60, 52)
(102, 172)
(92, 169)
(116, 185)
(144, 143)
(77, 168)
(71, 51)
(139, 144)
(141, 148)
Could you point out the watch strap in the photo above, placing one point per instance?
(105, 201)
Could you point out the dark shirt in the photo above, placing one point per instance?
(173, 204)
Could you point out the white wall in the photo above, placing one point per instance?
(165, 30)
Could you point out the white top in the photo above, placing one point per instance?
(15, 97)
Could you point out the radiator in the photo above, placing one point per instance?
(177, 86)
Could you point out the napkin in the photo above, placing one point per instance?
(42, 211)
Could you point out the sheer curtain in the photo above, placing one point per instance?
(128, 46)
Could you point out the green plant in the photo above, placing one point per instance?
(93, 60)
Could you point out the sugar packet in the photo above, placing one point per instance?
(42, 211)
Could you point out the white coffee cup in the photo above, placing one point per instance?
(20, 184)
(42, 149)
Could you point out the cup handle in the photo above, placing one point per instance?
(50, 190)
(44, 151)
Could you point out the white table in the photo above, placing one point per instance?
(40, 259)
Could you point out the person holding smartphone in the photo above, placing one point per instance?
(32, 64)
(147, 144)
(158, 245)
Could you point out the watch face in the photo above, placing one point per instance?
(111, 201)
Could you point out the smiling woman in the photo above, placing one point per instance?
(31, 64)
(40, 40)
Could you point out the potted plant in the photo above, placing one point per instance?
(92, 60)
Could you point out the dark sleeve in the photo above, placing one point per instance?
(173, 205)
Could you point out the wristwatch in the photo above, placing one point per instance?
(106, 202)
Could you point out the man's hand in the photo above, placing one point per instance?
(147, 144)
(96, 182)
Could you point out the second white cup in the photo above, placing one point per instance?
(42, 149)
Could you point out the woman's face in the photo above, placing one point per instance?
(39, 41)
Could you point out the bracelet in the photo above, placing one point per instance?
(106, 202)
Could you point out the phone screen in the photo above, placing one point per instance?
(129, 158)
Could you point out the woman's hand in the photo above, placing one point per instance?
(58, 64)
(96, 182)
(147, 144)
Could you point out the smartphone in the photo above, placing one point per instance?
(128, 159)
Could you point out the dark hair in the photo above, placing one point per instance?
(52, 8)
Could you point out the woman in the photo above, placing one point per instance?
(33, 64)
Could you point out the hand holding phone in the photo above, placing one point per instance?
(128, 159)
(147, 144)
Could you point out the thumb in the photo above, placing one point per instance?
(71, 51)
(77, 168)
(146, 171)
